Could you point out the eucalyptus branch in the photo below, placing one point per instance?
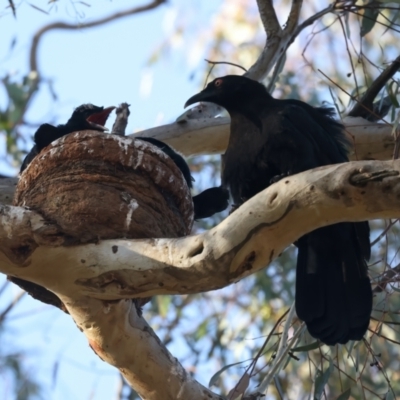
(268, 17)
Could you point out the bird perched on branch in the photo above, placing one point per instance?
(86, 116)
(205, 204)
(273, 138)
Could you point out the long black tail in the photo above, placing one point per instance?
(333, 290)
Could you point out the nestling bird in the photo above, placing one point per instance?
(272, 138)
(86, 116)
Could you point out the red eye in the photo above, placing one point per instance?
(218, 82)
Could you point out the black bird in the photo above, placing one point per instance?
(206, 203)
(272, 138)
(86, 116)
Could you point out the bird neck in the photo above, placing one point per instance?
(73, 125)
(251, 108)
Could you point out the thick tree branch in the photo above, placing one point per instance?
(123, 339)
(278, 40)
(268, 17)
(115, 269)
(364, 106)
(294, 15)
(210, 136)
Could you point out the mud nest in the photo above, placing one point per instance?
(98, 186)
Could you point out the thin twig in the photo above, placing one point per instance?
(349, 55)
(353, 98)
(17, 298)
(226, 62)
(65, 26)
(363, 107)
(385, 278)
(384, 232)
(12, 6)
(259, 353)
(312, 19)
(284, 348)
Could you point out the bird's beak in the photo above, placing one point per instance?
(99, 119)
(204, 95)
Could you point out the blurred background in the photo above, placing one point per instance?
(58, 54)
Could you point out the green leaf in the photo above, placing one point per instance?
(395, 288)
(163, 303)
(393, 93)
(321, 380)
(357, 363)
(308, 347)
(279, 387)
(238, 391)
(350, 349)
(369, 18)
(215, 377)
(345, 395)
(346, 22)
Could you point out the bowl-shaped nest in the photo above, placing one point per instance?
(97, 186)
(100, 186)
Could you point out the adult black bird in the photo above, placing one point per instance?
(271, 138)
(86, 116)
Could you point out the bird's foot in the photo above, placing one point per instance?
(234, 208)
(277, 178)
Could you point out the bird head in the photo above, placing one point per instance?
(229, 91)
(89, 116)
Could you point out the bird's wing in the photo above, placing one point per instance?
(46, 134)
(306, 144)
(245, 168)
(328, 136)
(324, 137)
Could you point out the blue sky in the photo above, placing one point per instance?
(105, 66)
(108, 64)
